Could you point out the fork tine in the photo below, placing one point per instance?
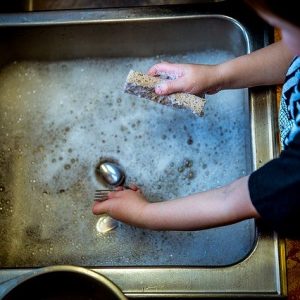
(101, 195)
(100, 199)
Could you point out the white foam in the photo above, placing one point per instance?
(60, 118)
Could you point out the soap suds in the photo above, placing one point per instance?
(57, 120)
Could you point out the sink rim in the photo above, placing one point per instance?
(202, 281)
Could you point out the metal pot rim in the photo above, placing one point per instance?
(71, 269)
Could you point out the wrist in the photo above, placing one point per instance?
(222, 73)
(150, 216)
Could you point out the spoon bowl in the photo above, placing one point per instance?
(111, 173)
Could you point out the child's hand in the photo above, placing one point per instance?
(187, 78)
(126, 205)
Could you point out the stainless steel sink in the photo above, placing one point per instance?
(62, 110)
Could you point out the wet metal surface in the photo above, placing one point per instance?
(59, 118)
(62, 111)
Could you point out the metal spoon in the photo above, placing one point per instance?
(106, 224)
(111, 173)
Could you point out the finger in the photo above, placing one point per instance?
(119, 188)
(172, 70)
(100, 207)
(170, 86)
(114, 194)
(133, 187)
(136, 189)
(213, 91)
(156, 69)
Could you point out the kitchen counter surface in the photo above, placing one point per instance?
(293, 269)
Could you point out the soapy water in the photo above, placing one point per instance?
(58, 119)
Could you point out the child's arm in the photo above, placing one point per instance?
(265, 66)
(221, 206)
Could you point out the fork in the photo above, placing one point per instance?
(102, 195)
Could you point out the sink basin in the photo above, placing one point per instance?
(62, 110)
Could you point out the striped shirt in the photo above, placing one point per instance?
(289, 115)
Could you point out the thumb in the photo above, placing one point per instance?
(170, 86)
(100, 207)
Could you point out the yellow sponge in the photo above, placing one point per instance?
(143, 86)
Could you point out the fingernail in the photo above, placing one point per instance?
(155, 71)
(160, 88)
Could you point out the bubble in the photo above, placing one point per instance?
(180, 169)
(188, 163)
(190, 141)
(67, 167)
(191, 175)
(67, 137)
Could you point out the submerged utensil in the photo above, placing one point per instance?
(106, 223)
(111, 173)
(102, 195)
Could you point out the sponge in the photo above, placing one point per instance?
(143, 86)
